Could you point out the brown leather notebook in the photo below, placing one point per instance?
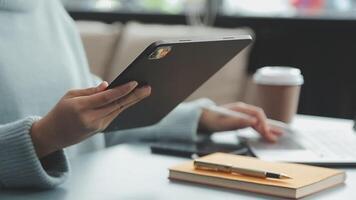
(305, 179)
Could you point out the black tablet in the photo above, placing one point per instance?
(174, 69)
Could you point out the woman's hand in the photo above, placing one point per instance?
(82, 113)
(213, 122)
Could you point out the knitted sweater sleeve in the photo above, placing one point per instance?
(19, 165)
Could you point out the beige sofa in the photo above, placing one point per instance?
(111, 47)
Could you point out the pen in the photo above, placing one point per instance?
(203, 165)
(271, 122)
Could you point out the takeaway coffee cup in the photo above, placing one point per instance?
(276, 90)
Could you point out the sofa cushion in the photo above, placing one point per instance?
(100, 41)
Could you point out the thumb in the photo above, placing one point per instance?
(90, 91)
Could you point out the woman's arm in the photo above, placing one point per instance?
(31, 149)
(19, 164)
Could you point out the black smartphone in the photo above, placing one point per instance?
(201, 148)
(174, 69)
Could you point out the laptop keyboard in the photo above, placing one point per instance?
(330, 144)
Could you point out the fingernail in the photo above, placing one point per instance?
(133, 83)
(278, 132)
(147, 89)
(273, 138)
(103, 84)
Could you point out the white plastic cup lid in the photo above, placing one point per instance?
(278, 76)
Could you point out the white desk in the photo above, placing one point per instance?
(132, 172)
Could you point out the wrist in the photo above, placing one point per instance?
(202, 125)
(40, 142)
(204, 120)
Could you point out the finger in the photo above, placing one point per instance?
(261, 126)
(111, 95)
(233, 123)
(122, 104)
(271, 138)
(89, 91)
(252, 111)
(109, 118)
(267, 134)
(276, 131)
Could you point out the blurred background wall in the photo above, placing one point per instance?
(317, 36)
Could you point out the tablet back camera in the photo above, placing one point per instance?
(160, 53)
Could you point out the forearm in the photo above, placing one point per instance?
(40, 141)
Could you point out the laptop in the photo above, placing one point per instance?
(331, 143)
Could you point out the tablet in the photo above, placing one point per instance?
(174, 69)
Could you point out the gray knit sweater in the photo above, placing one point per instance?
(41, 57)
